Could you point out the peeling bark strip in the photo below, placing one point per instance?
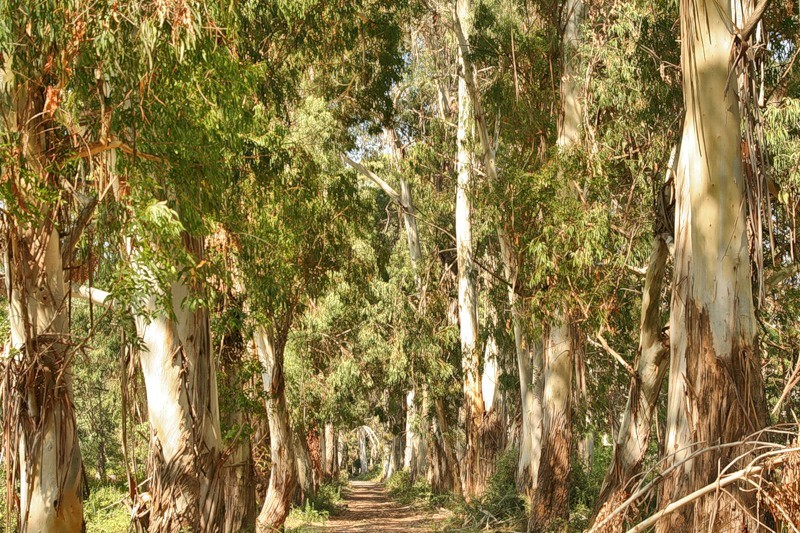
(283, 474)
(634, 433)
(181, 384)
(715, 387)
(39, 418)
(40, 439)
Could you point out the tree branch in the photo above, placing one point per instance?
(388, 189)
(80, 224)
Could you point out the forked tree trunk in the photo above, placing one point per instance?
(181, 385)
(550, 505)
(283, 474)
(39, 386)
(716, 393)
(633, 437)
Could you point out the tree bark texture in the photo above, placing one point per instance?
(715, 387)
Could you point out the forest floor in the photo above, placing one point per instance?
(368, 507)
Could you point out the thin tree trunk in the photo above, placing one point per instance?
(283, 475)
(467, 291)
(240, 501)
(181, 385)
(633, 437)
(331, 456)
(362, 451)
(716, 392)
(529, 364)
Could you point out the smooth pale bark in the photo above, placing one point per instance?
(551, 497)
(323, 451)
(49, 457)
(283, 474)
(467, 291)
(633, 437)
(331, 452)
(415, 452)
(39, 419)
(181, 385)
(363, 458)
(715, 387)
(529, 365)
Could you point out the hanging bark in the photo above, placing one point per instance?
(39, 420)
(551, 502)
(240, 501)
(715, 387)
(633, 437)
(181, 385)
(40, 435)
(283, 475)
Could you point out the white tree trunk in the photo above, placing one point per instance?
(283, 474)
(552, 484)
(181, 385)
(49, 460)
(363, 458)
(715, 386)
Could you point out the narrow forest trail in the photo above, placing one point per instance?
(369, 508)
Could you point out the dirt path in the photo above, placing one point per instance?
(369, 508)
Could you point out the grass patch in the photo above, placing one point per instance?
(104, 511)
(315, 511)
(500, 508)
(417, 494)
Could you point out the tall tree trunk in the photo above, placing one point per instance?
(305, 469)
(715, 387)
(467, 291)
(283, 475)
(550, 507)
(41, 439)
(529, 364)
(633, 437)
(181, 385)
(331, 452)
(39, 388)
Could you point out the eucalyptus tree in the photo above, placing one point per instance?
(62, 81)
(716, 393)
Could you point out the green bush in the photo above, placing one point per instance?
(104, 510)
(501, 507)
